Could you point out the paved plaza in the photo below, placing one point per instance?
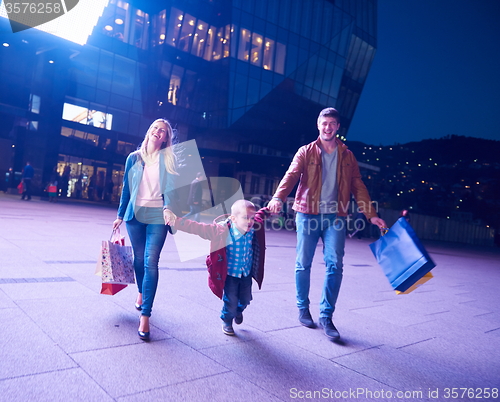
(63, 341)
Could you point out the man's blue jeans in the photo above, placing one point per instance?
(237, 296)
(332, 231)
(147, 241)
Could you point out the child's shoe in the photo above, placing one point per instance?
(227, 328)
(239, 318)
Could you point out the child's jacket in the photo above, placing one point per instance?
(216, 261)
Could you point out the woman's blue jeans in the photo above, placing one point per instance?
(332, 231)
(147, 241)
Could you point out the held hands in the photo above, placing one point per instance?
(117, 223)
(379, 222)
(169, 217)
(275, 205)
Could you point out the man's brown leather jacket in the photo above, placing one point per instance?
(306, 166)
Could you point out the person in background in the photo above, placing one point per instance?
(145, 207)
(28, 173)
(195, 197)
(405, 214)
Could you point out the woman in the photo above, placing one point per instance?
(145, 207)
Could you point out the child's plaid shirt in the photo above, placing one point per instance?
(239, 252)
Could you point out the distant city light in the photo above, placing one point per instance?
(5, 44)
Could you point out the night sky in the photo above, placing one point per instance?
(436, 72)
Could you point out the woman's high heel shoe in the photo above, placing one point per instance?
(143, 336)
(138, 307)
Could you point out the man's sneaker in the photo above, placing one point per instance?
(330, 330)
(239, 318)
(227, 328)
(305, 318)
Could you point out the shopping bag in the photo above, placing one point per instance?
(402, 257)
(115, 264)
(111, 288)
(20, 188)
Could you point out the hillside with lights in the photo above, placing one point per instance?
(452, 177)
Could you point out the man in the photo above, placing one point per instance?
(328, 174)
(195, 197)
(28, 173)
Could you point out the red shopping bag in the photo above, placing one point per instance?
(112, 288)
(20, 188)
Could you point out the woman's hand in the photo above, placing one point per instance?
(169, 217)
(117, 223)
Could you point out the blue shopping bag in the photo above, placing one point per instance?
(402, 256)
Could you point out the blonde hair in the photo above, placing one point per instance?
(166, 147)
(241, 205)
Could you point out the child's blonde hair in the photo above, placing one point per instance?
(241, 205)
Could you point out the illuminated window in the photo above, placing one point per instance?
(244, 45)
(159, 28)
(268, 54)
(174, 27)
(175, 85)
(187, 32)
(199, 39)
(86, 116)
(209, 45)
(256, 51)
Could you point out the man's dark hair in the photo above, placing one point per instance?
(330, 112)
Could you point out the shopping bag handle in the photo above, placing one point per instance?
(383, 231)
(114, 234)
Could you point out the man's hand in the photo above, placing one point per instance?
(379, 222)
(275, 205)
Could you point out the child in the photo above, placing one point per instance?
(236, 256)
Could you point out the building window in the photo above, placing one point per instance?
(34, 106)
(242, 178)
(256, 52)
(244, 46)
(254, 186)
(159, 28)
(91, 117)
(174, 27)
(197, 37)
(187, 32)
(268, 54)
(175, 85)
(88, 138)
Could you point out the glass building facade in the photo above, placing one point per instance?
(245, 78)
